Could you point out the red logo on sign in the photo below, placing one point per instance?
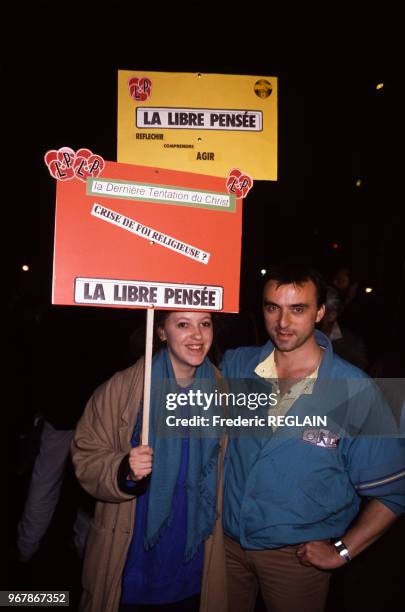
(239, 184)
(140, 89)
(60, 163)
(87, 164)
(65, 164)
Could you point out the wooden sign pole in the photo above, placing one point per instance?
(150, 314)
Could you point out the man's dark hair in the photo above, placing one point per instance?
(297, 273)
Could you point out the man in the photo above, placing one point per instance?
(59, 391)
(345, 342)
(290, 497)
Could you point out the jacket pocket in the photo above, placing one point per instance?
(318, 498)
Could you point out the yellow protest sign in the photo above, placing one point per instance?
(204, 123)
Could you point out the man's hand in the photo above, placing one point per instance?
(140, 462)
(320, 553)
(372, 522)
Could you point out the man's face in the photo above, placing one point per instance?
(290, 313)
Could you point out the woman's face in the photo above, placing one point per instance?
(189, 338)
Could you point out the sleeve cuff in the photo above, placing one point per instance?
(126, 485)
(395, 503)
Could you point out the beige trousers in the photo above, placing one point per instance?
(286, 585)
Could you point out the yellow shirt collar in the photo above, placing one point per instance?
(267, 369)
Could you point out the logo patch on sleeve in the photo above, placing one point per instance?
(321, 437)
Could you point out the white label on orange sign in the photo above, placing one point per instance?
(154, 237)
(144, 294)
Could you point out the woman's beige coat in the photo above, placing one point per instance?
(101, 441)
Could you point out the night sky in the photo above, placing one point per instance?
(335, 127)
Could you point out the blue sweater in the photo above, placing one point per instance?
(159, 575)
(282, 489)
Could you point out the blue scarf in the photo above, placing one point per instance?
(202, 472)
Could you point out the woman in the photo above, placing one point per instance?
(160, 554)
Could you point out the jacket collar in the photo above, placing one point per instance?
(322, 340)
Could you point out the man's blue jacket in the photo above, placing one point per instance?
(287, 488)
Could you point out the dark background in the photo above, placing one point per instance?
(335, 127)
(59, 77)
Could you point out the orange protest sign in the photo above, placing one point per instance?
(136, 236)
